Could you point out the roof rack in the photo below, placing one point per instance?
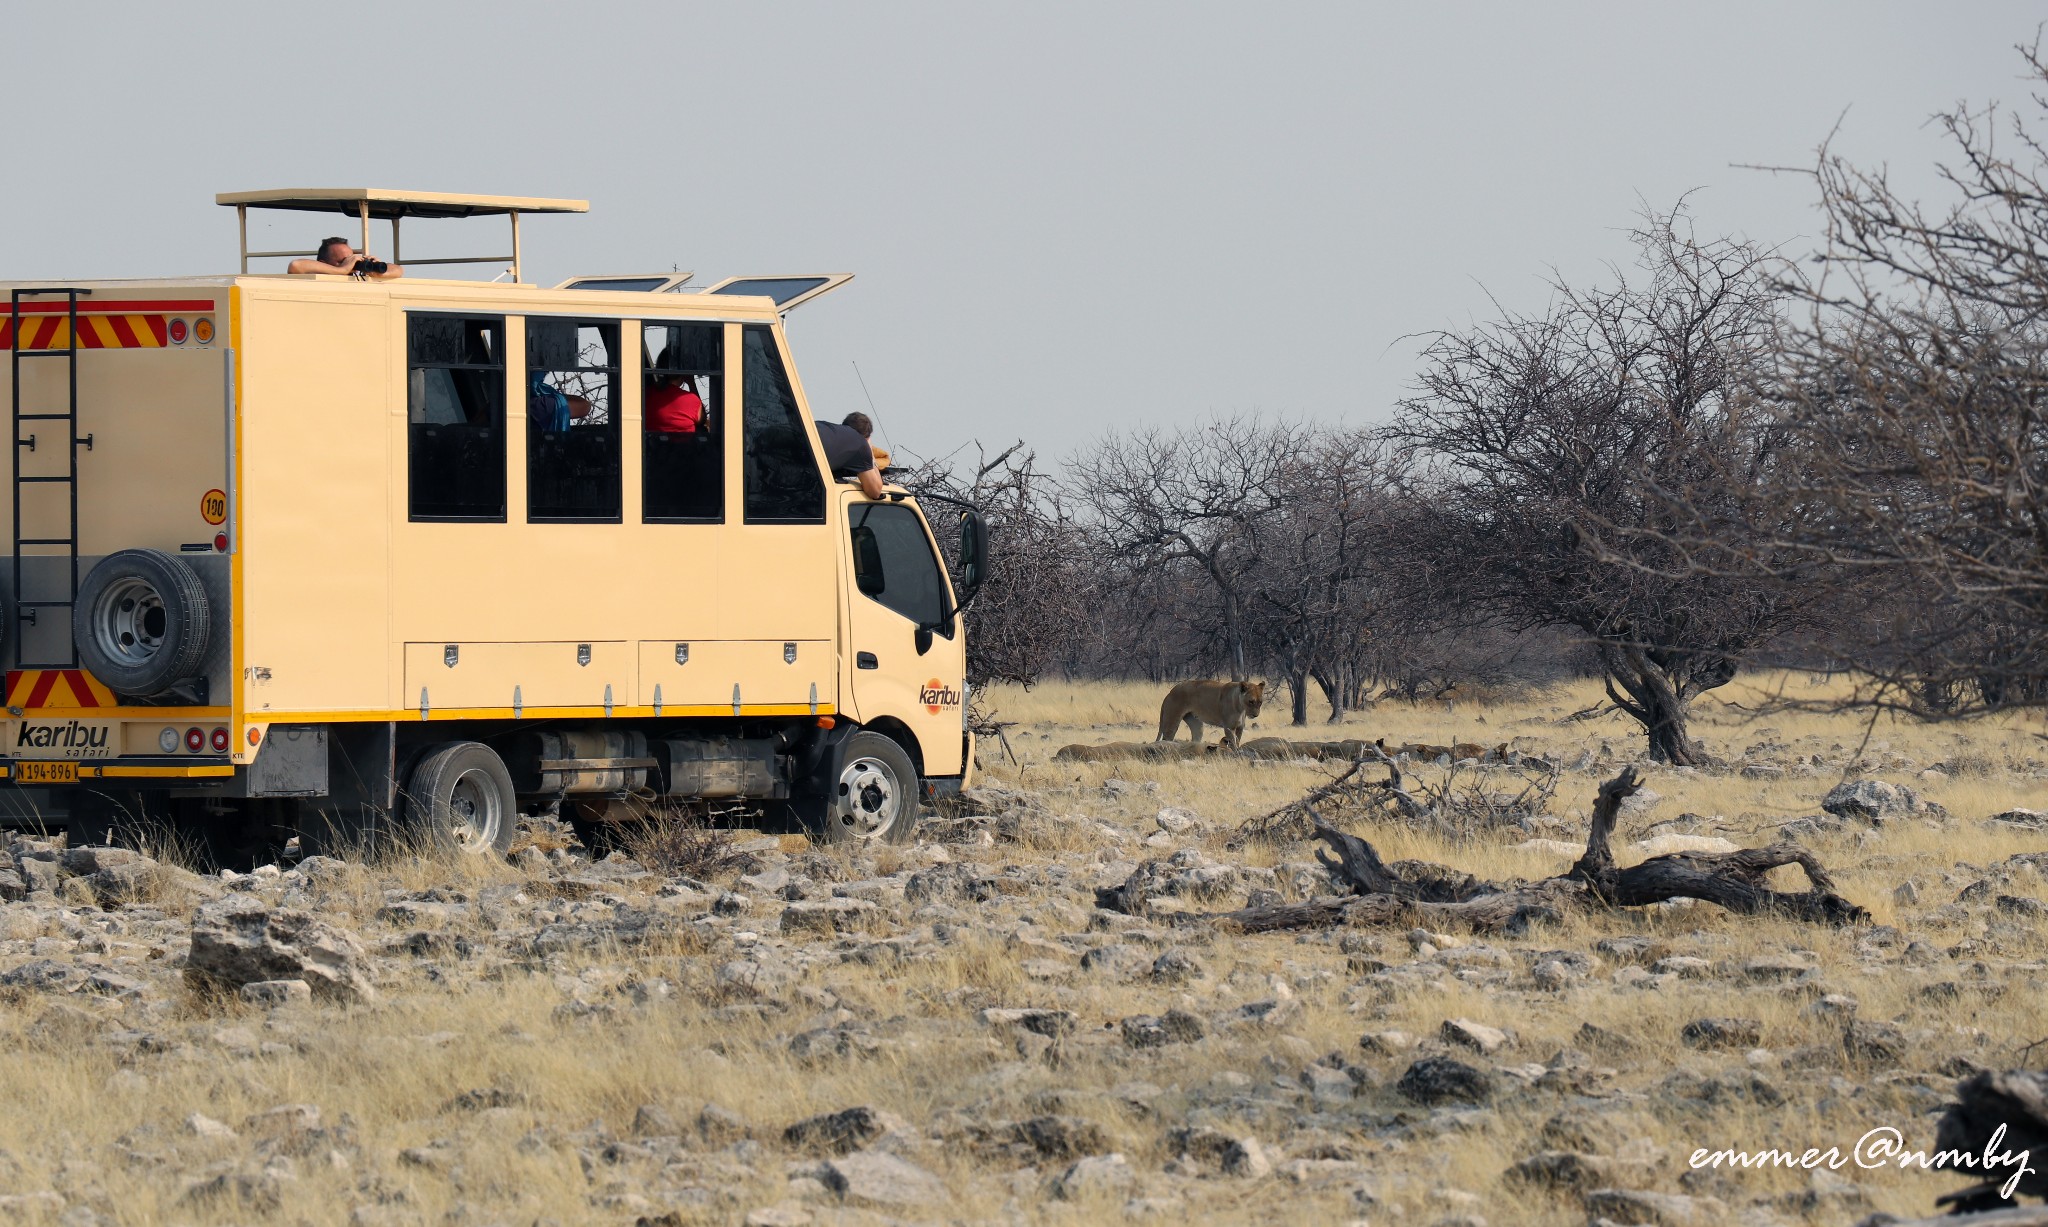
(364, 203)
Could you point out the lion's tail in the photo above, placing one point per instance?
(1170, 716)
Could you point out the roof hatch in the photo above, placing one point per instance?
(644, 283)
(787, 292)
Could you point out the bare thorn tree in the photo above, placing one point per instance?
(1198, 503)
(1550, 443)
(1040, 579)
(1917, 398)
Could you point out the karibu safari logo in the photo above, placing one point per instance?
(936, 694)
(69, 736)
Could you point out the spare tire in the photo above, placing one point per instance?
(141, 622)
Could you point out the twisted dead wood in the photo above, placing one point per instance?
(1417, 893)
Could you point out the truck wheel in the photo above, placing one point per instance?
(141, 622)
(875, 797)
(460, 799)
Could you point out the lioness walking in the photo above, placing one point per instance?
(1227, 705)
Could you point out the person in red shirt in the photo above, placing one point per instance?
(673, 406)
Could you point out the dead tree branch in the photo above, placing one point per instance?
(1442, 897)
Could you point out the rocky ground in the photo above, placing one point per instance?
(956, 1032)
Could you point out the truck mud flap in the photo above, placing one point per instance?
(814, 766)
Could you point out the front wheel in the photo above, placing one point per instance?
(874, 800)
(460, 799)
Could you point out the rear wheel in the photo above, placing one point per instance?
(141, 622)
(874, 800)
(460, 799)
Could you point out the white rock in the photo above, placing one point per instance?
(1095, 1176)
(828, 915)
(238, 941)
(1246, 1159)
(1662, 845)
(200, 1125)
(1641, 802)
(878, 1179)
(2021, 816)
(1872, 800)
(274, 993)
(1474, 1035)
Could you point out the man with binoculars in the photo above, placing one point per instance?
(336, 256)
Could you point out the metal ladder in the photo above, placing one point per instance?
(26, 610)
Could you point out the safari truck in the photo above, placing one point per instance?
(358, 560)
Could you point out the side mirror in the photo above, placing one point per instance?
(973, 553)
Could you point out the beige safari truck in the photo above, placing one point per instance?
(349, 559)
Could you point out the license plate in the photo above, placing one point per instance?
(59, 772)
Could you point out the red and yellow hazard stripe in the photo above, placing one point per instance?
(145, 324)
(47, 688)
(94, 332)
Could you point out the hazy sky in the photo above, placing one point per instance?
(1064, 219)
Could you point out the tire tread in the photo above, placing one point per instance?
(438, 771)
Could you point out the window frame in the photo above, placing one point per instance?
(720, 420)
(945, 626)
(807, 432)
(615, 412)
(503, 324)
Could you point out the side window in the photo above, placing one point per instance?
(572, 427)
(455, 417)
(682, 466)
(893, 562)
(782, 479)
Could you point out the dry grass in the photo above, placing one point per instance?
(97, 1091)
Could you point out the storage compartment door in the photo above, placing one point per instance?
(501, 676)
(702, 673)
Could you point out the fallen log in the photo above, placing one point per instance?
(1421, 894)
(1143, 751)
(1347, 750)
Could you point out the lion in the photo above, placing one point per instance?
(1457, 752)
(1227, 705)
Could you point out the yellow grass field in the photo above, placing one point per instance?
(528, 1059)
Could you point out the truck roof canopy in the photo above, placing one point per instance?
(386, 204)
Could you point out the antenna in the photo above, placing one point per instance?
(873, 412)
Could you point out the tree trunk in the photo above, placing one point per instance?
(1297, 687)
(1233, 624)
(1332, 685)
(1359, 686)
(1654, 702)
